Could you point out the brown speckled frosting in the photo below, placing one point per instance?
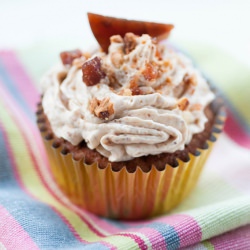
(199, 141)
(130, 102)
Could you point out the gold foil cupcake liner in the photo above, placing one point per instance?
(122, 194)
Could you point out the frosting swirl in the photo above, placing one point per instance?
(150, 100)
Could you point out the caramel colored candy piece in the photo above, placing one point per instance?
(103, 27)
(136, 91)
(150, 73)
(92, 72)
(183, 103)
(68, 57)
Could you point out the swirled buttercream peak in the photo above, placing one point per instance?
(141, 98)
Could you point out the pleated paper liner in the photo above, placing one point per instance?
(122, 194)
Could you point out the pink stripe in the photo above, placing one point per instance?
(10, 153)
(8, 226)
(110, 228)
(18, 119)
(235, 131)
(186, 227)
(136, 238)
(22, 81)
(23, 122)
(236, 239)
(24, 125)
(32, 101)
(155, 238)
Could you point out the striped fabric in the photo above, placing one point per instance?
(34, 214)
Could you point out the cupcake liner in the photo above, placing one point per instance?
(122, 194)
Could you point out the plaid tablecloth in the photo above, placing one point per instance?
(34, 214)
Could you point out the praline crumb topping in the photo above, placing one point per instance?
(140, 98)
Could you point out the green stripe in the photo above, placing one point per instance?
(222, 216)
(216, 206)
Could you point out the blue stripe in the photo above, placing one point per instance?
(5, 166)
(168, 232)
(43, 224)
(10, 86)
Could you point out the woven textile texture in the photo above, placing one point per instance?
(34, 214)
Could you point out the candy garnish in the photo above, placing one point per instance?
(103, 27)
(92, 71)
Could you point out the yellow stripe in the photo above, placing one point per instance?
(208, 245)
(32, 182)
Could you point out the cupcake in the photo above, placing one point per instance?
(128, 128)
